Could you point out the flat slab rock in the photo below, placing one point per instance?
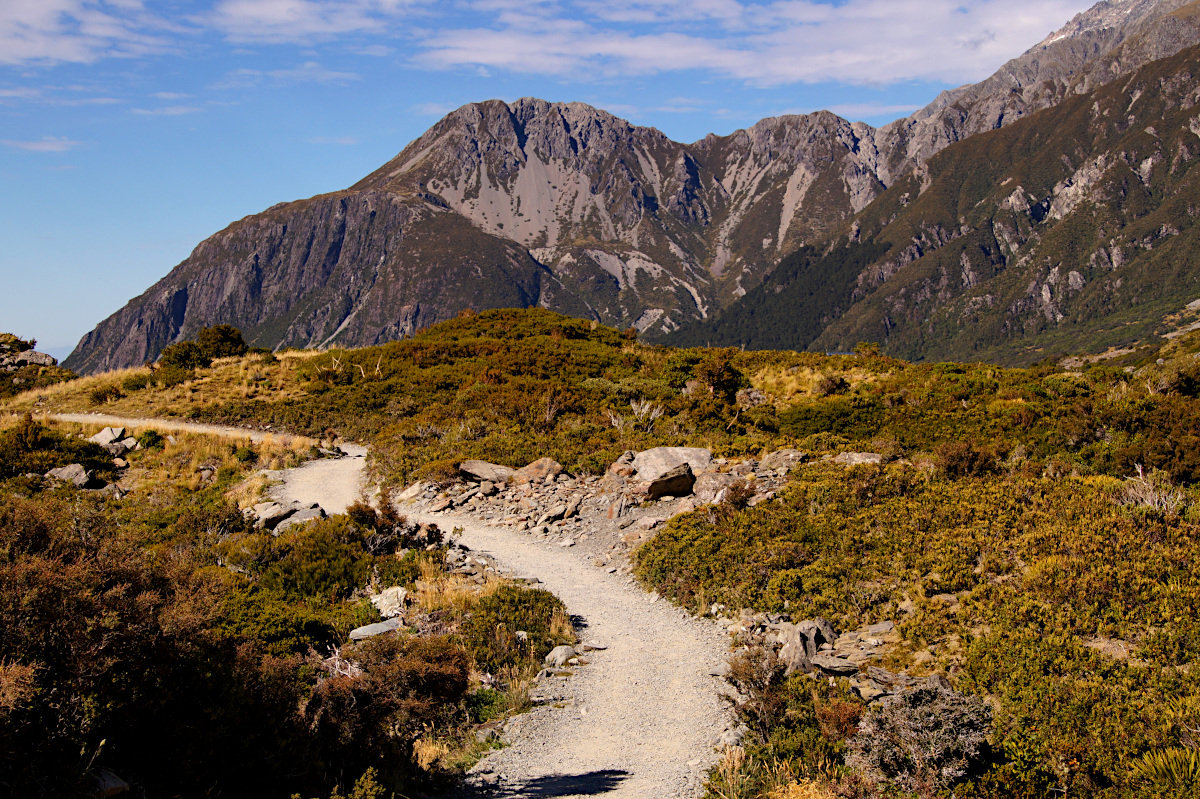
(481, 471)
(858, 458)
(379, 628)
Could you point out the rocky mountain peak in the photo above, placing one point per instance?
(1111, 15)
(569, 207)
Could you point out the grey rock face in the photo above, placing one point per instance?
(390, 602)
(858, 458)
(676, 482)
(302, 516)
(559, 656)
(108, 435)
(11, 360)
(785, 459)
(834, 665)
(710, 486)
(73, 473)
(537, 471)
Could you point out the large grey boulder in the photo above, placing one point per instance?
(833, 665)
(710, 486)
(559, 656)
(269, 514)
(390, 602)
(802, 643)
(652, 464)
(109, 435)
(481, 471)
(105, 784)
(72, 473)
(552, 515)
(12, 361)
(818, 631)
(366, 631)
(794, 652)
(676, 482)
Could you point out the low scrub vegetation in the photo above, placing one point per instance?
(166, 639)
(1032, 532)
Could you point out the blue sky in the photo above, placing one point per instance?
(130, 130)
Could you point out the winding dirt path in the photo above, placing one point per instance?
(639, 721)
(642, 718)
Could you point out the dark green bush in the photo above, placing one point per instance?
(186, 355)
(32, 448)
(151, 439)
(171, 376)
(221, 341)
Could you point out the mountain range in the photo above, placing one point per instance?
(1047, 208)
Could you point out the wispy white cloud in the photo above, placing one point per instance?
(80, 31)
(168, 111)
(308, 72)
(783, 42)
(302, 20)
(170, 96)
(48, 144)
(19, 94)
(757, 42)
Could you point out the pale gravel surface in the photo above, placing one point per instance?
(332, 483)
(643, 717)
(639, 721)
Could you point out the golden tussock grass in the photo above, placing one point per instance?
(806, 789)
(231, 379)
(784, 385)
(441, 590)
(429, 752)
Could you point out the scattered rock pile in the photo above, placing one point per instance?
(114, 440)
(13, 359)
(814, 647)
(611, 514)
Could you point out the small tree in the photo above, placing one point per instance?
(221, 341)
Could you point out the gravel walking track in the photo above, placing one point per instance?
(640, 721)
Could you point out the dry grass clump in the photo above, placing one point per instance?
(438, 589)
(430, 752)
(806, 789)
(784, 385)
